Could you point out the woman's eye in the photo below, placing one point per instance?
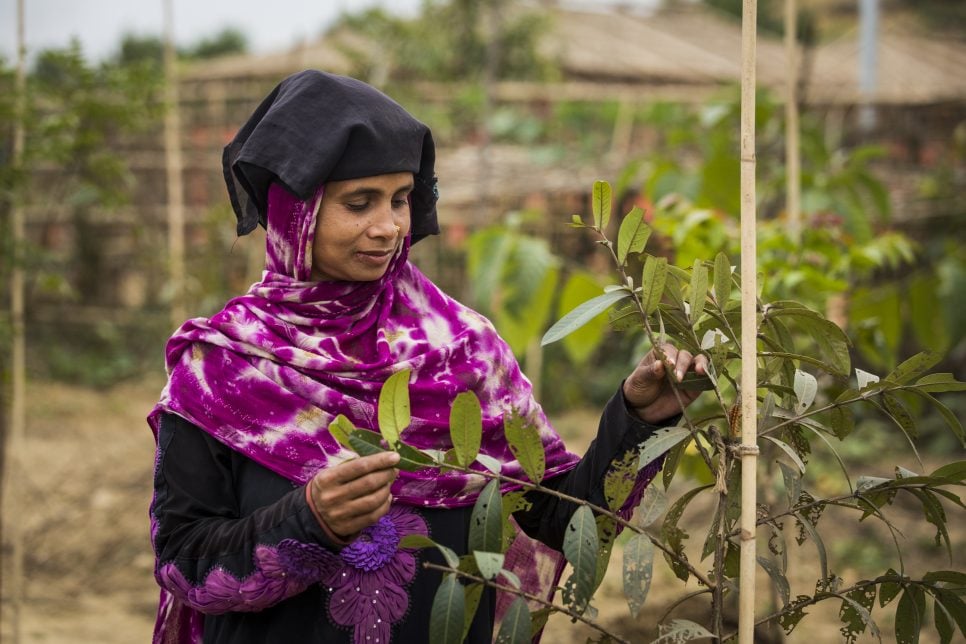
(357, 207)
(400, 203)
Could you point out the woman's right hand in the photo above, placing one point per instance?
(354, 494)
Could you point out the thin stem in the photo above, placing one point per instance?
(527, 485)
(529, 596)
(660, 353)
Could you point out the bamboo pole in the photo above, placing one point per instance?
(793, 180)
(749, 329)
(14, 448)
(173, 168)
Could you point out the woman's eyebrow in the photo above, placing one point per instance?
(369, 191)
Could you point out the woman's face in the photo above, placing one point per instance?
(360, 224)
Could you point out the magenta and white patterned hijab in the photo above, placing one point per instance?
(268, 373)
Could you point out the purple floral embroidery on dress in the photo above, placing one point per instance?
(280, 572)
(369, 591)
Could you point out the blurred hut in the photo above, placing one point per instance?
(614, 56)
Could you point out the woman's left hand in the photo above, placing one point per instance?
(648, 391)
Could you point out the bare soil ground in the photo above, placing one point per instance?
(83, 501)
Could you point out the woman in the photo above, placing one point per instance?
(264, 528)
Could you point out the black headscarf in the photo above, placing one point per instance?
(317, 127)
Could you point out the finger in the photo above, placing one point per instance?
(682, 364)
(365, 510)
(359, 467)
(701, 364)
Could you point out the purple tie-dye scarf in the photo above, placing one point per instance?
(269, 372)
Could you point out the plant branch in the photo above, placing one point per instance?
(536, 487)
(529, 596)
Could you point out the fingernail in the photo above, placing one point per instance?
(680, 375)
(394, 457)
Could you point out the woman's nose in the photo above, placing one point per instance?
(384, 222)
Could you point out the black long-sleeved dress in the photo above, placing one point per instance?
(245, 545)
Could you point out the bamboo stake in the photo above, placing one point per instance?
(749, 328)
(13, 466)
(792, 147)
(173, 168)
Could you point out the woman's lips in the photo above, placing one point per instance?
(375, 257)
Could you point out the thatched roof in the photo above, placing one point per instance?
(683, 54)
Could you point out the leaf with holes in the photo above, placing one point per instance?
(486, 529)
(580, 548)
(914, 366)
(653, 504)
(489, 563)
(525, 443)
(679, 631)
(619, 480)
(806, 387)
(856, 613)
(661, 441)
(638, 570)
(516, 624)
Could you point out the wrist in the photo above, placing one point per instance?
(332, 536)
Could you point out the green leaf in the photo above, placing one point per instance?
(661, 441)
(412, 459)
(633, 234)
(489, 463)
(796, 459)
(539, 620)
(619, 480)
(340, 428)
(449, 607)
(638, 570)
(914, 366)
(394, 414)
(699, 290)
(653, 504)
(486, 531)
(361, 442)
(909, 616)
(526, 445)
(580, 548)
(606, 535)
(954, 606)
(471, 594)
(674, 456)
(856, 613)
(952, 421)
(935, 514)
(512, 502)
(806, 387)
(653, 280)
(944, 622)
(793, 483)
(422, 541)
(842, 422)
(681, 630)
(722, 280)
(807, 526)
(889, 589)
(940, 382)
(489, 563)
(955, 471)
(675, 536)
(515, 627)
(777, 577)
(466, 427)
(954, 577)
(581, 315)
(900, 415)
(601, 204)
